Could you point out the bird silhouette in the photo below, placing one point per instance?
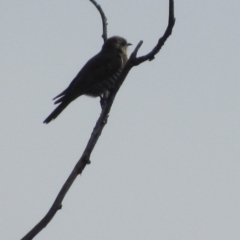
(96, 77)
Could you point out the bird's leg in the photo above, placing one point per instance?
(103, 99)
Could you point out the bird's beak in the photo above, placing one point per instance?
(129, 44)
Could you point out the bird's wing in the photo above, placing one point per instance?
(96, 70)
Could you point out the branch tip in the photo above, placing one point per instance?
(134, 53)
(104, 19)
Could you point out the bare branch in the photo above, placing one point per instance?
(104, 19)
(102, 120)
(171, 21)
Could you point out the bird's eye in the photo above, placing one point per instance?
(123, 43)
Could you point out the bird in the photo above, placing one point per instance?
(96, 77)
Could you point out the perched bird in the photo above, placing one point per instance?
(97, 76)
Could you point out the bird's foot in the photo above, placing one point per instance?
(103, 99)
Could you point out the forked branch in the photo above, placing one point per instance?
(102, 120)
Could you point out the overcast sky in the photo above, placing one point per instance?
(167, 165)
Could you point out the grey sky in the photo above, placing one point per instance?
(167, 164)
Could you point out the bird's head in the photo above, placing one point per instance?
(116, 43)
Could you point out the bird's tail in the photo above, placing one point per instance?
(57, 111)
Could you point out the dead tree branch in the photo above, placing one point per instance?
(104, 19)
(101, 122)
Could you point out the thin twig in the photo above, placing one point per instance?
(104, 19)
(171, 21)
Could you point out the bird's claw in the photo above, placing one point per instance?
(103, 99)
